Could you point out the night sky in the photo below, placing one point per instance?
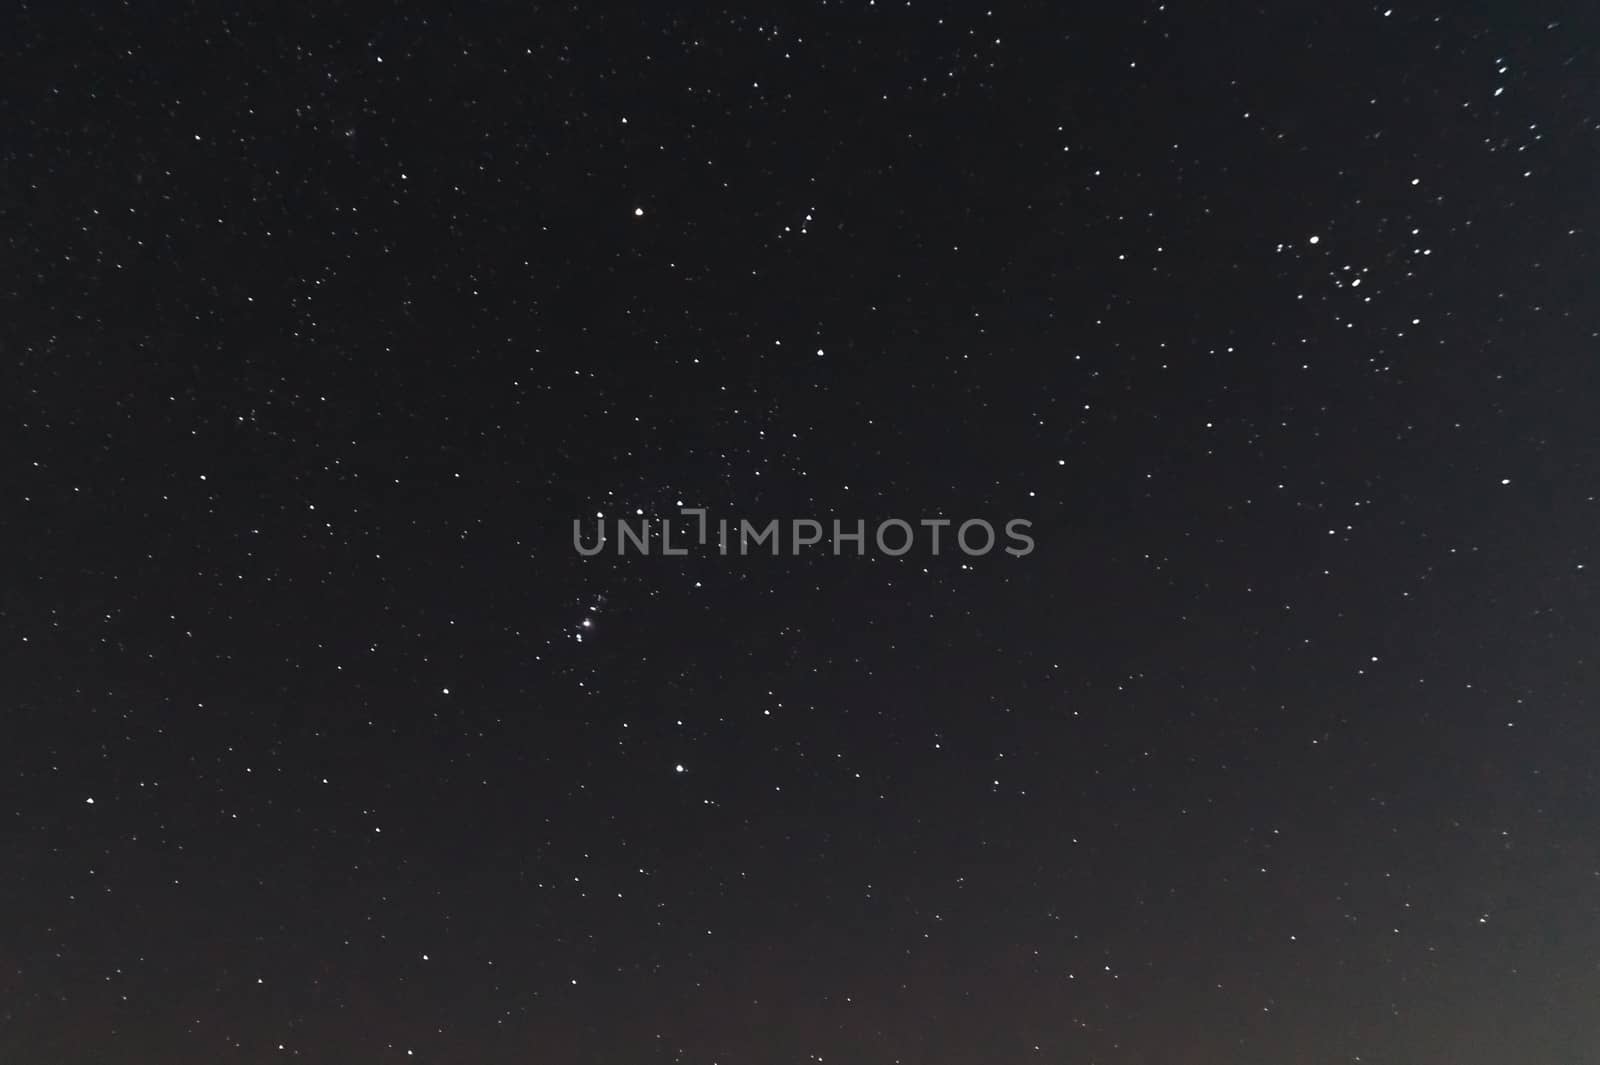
(324, 324)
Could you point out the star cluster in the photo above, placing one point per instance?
(325, 324)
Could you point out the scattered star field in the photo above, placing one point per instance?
(346, 346)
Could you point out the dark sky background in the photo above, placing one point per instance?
(324, 322)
